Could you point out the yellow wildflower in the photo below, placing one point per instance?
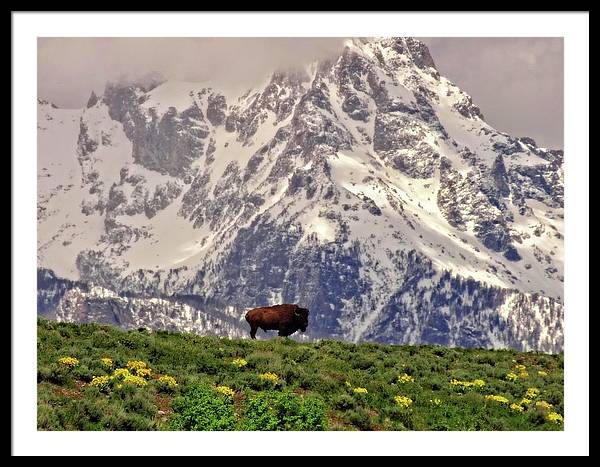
(516, 407)
(107, 362)
(239, 362)
(121, 373)
(270, 377)
(520, 367)
(525, 401)
(168, 380)
(523, 375)
(403, 401)
(436, 401)
(136, 364)
(477, 383)
(532, 393)
(501, 399)
(143, 372)
(101, 382)
(135, 380)
(555, 417)
(347, 383)
(404, 378)
(360, 390)
(68, 361)
(542, 373)
(543, 405)
(511, 376)
(225, 390)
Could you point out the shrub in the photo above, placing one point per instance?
(83, 372)
(101, 382)
(68, 361)
(166, 383)
(272, 377)
(207, 363)
(537, 416)
(516, 407)
(363, 362)
(317, 382)
(404, 378)
(123, 391)
(543, 405)
(476, 383)
(496, 398)
(121, 373)
(134, 365)
(143, 372)
(554, 417)
(343, 402)
(271, 411)
(239, 362)
(128, 341)
(225, 390)
(136, 381)
(200, 409)
(47, 418)
(258, 361)
(403, 401)
(312, 415)
(130, 422)
(403, 418)
(141, 404)
(360, 419)
(106, 362)
(555, 397)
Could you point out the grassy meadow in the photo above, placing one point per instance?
(94, 377)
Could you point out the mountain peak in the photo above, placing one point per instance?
(364, 189)
(92, 101)
(413, 49)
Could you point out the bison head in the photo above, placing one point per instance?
(301, 318)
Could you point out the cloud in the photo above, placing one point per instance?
(517, 82)
(70, 68)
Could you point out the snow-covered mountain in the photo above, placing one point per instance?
(368, 188)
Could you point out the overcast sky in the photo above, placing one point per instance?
(517, 82)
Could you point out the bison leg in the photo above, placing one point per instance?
(253, 330)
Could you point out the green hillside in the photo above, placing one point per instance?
(93, 377)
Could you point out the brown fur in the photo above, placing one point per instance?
(286, 319)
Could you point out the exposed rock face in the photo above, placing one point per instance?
(92, 101)
(433, 316)
(369, 189)
(167, 143)
(51, 290)
(216, 109)
(500, 177)
(466, 108)
(99, 305)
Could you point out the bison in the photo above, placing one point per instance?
(286, 319)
